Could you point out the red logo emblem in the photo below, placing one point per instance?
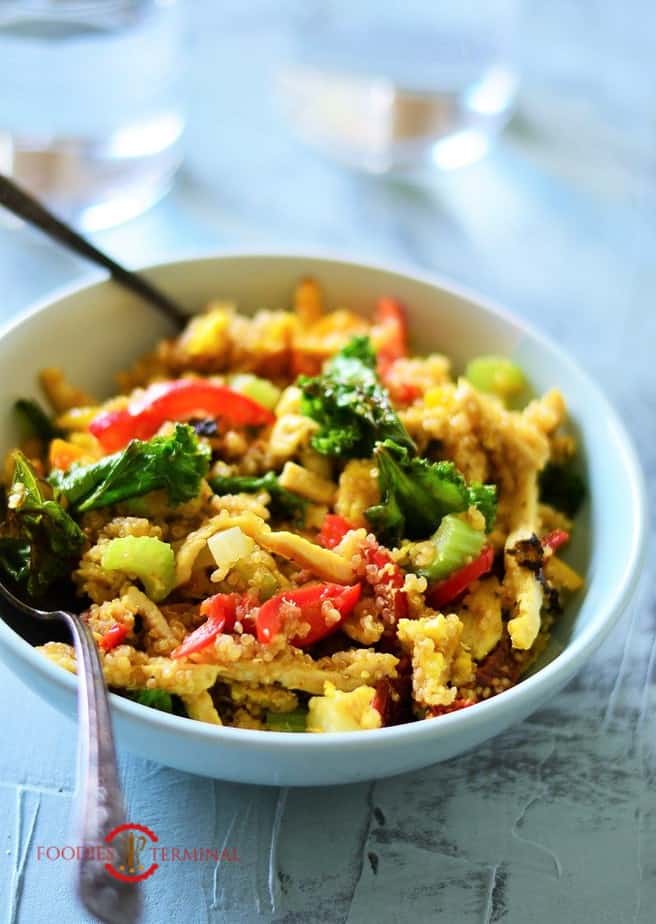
(129, 842)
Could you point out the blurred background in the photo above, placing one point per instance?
(508, 144)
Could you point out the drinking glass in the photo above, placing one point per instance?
(385, 85)
(90, 116)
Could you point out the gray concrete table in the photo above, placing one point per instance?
(556, 819)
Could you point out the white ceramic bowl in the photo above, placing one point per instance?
(95, 330)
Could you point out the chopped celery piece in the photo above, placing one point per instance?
(456, 543)
(496, 375)
(261, 390)
(150, 559)
(287, 721)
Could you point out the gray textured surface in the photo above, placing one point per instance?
(555, 820)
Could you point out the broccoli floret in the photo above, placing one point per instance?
(416, 494)
(353, 409)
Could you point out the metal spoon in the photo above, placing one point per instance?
(100, 803)
(25, 206)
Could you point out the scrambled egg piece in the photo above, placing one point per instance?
(439, 661)
(324, 563)
(481, 620)
(523, 588)
(358, 489)
(199, 706)
(340, 712)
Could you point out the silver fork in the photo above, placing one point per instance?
(99, 798)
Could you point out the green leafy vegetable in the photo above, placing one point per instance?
(38, 539)
(284, 503)
(15, 558)
(156, 699)
(175, 463)
(562, 487)
(36, 420)
(353, 409)
(287, 721)
(416, 494)
(484, 498)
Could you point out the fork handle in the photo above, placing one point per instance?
(99, 793)
(25, 206)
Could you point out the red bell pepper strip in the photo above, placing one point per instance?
(405, 393)
(113, 636)
(446, 591)
(393, 344)
(457, 704)
(393, 326)
(178, 400)
(555, 539)
(309, 601)
(221, 612)
(333, 530)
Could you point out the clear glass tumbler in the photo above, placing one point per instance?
(385, 85)
(90, 116)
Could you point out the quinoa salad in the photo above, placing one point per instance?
(289, 522)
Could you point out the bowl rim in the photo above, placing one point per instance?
(561, 668)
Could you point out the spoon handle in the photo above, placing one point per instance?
(99, 797)
(25, 206)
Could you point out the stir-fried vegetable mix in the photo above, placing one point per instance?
(289, 523)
